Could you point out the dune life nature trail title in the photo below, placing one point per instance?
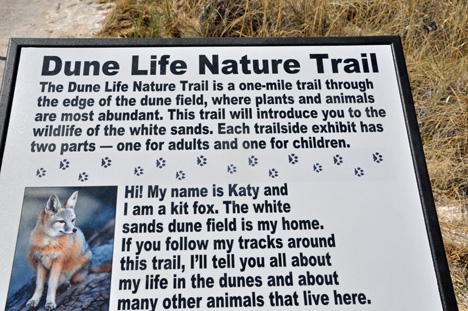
(53, 65)
(248, 177)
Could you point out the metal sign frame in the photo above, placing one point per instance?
(433, 231)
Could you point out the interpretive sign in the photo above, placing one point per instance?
(234, 174)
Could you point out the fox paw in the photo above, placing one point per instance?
(50, 305)
(64, 287)
(32, 303)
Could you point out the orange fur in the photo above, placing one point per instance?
(70, 252)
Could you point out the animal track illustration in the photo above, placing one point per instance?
(83, 177)
(106, 162)
(231, 168)
(253, 160)
(377, 157)
(273, 173)
(293, 159)
(180, 175)
(337, 159)
(317, 168)
(138, 171)
(201, 160)
(358, 172)
(160, 163)
(64, 164)
(41, 172)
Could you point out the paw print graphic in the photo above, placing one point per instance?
(317, 168)
(201, 160)
(180, 175)
(293, 159)
(160, 163)
(138, 171)
(106, 162)
(337, 159)
(83, 177)
(253, 160)
(231, 169)
(358, 172)
(41, 172)
(273, 173)
(377, 157)
(64, 164)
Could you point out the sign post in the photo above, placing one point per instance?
(241, 174)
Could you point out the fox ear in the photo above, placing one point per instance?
(53, 205)
(71, 201)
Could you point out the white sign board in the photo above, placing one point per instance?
(231, 174)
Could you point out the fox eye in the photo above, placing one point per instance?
(73, 220)
(61, 221)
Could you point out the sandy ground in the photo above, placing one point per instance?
(49, 19)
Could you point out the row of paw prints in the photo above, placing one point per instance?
(231, 168)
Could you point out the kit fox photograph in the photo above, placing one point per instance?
(63, 256)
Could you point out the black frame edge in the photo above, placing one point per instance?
(6, 91)
(193, 42)
(434, 233)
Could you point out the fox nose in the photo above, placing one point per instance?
(74, 230)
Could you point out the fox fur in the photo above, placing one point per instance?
(57, 249)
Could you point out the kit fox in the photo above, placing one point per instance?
(57, 248)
